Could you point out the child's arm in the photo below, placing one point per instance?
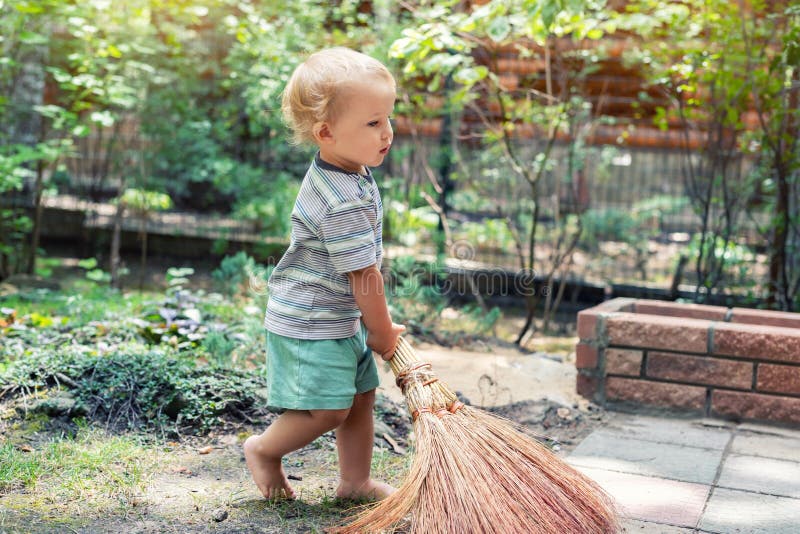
(367, 287)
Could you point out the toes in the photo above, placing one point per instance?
(279, 494)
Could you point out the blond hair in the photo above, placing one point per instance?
(311, 95)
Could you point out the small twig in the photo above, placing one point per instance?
(395, 446)
(62, 378)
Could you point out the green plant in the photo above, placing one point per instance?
(734, 270)
(68, 468)
(94, 273)
(414, 293)
(219, 348)
(634, 228)
(140, 389)
(239, 274)
(408, 226)
(438, 52)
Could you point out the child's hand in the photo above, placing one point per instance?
(385, 344)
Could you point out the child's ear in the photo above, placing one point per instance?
(322, 133)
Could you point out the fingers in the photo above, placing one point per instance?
(387, 344)
(397, 330)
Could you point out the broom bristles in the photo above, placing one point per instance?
(474, 472)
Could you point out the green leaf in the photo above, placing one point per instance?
(88, 263)
(595, 33)
(30, 8)
(98, 275)
(81, 130)
(550, 10)
(499, 29)
(114, 52)
(41, 321)
(32, 38)
(470, 75)
(104, 118)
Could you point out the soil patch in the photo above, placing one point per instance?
(201, 484)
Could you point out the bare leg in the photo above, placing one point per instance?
(354, 440)
(292, 430)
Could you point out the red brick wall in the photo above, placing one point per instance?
(733, 363)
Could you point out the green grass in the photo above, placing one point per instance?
(79, 303)
(95, 469)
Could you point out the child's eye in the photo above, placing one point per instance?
(372, 123)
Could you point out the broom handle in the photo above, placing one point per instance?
(404, 355)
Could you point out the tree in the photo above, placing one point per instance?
(141, 204)
(773, 35)
(721, 63)
(693, 52)
(23, 151)
(465, 46)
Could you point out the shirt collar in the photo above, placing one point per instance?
(322, 164)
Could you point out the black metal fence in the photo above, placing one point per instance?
(611, 184)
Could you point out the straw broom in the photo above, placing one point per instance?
(474, 472)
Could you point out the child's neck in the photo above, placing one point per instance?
(362, 170)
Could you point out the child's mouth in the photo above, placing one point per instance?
(385, 151)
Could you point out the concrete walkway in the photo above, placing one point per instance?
(678, 475)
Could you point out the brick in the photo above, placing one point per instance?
(585, 356)
(675, 309)
(741, 405)
(587, 319)
(587, 386)
(623, 362)
(765, 317)
(778, 378)
(757, 342)
(656, 393)
(658, 332)
(700, 370)
(587, 324)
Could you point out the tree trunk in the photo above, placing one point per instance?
(777, 260)
(143, 261)
(531, 312)
(30, 266)
(780, 291)
(115, 246)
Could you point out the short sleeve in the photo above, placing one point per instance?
(348, 233)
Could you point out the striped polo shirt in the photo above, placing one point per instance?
(336, 228)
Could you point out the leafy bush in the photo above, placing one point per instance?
(135, 360)
(219, 347)
(240, 273)
(152, 389)
(734, 263)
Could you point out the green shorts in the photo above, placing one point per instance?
(310, 374)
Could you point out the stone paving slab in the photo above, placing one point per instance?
(604, 449)
(655, 500)
(732, 511)
(769, 446)
(690, 432)
(762, 475)
(635, 526)
(771, 430)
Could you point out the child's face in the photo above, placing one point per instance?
(360, 134)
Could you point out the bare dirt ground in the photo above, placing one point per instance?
(202, 485)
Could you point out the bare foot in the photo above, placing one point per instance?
(267, 472)
(371, 490)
